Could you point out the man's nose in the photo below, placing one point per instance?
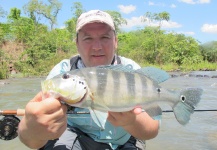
(97, 45)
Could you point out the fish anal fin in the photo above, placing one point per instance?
(153, 111)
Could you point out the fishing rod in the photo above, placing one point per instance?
(9, 123)
(196, 110)
(21, 112)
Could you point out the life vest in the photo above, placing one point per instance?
(74, 60)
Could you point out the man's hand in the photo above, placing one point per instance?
(44, 120)
(137, 123)
(123, 118)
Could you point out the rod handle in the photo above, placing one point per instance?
(18, 112)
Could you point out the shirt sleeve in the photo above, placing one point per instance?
(126, 61)
(60, 68)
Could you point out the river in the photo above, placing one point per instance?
(199, 134)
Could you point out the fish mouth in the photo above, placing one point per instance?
(77, 101)
(82, 99)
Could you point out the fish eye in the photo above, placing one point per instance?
(65, 76)
(183, 98)
(158, 90)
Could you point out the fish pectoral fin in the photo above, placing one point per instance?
(98, 117)
(182, 112)
(91, 95)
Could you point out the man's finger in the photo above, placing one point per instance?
(137, 110)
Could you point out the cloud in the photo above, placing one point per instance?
(170, 24)
(137, 22)
(209, 28)
(186, 32)
(150, 3)
(195, 1)
(127, 9)
(134, 22)
(173, 6)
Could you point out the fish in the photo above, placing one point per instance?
(120, 88)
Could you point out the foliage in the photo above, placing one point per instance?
(2, 12)
(44, 46)
(156, 17)
(118, 20)
(3, 65)
(71, 23)
(4, 32)
(209, 51)
(37, 9)
(171, 48)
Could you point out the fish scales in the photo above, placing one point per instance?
(127, 88)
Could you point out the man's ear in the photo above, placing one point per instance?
(116, 42)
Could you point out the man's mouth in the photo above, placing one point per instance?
(98, 55)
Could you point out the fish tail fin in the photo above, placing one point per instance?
(189, 98)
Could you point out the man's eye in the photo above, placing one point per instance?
(105, 37)
(88, 38)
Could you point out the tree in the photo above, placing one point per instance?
(14, 14)
(209, 51)
(35, 9)
(158, 18)
(118, 20)
(77, 10)
(2, 13)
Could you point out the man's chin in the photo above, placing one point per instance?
(99, 61)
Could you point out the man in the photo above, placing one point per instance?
(45, 121)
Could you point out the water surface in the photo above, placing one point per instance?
(199, 134)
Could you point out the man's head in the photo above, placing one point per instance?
(93, 16)
(96, 39)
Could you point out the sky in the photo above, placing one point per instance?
(196, 18)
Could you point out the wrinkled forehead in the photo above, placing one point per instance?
(96, 26)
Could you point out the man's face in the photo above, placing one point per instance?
(96, 44)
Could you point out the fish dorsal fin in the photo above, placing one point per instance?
(119, 67)
(153, 73)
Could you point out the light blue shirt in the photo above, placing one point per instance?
(102, 130)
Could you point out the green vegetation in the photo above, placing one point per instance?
(38, 47)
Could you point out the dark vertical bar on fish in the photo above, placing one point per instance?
(130, 78)
(143, 83)
(116, 83)
(102, 81)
